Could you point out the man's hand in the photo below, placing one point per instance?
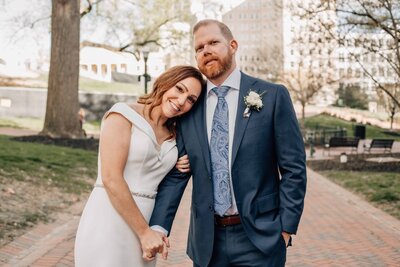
(286, 237)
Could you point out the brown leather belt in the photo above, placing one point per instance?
(227, 220)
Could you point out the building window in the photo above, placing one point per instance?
(381, 72)
(350, 72)
(123, 68)
(103, 69)
(94, 68)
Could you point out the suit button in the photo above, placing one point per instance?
(211, 207)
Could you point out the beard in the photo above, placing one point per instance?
(216, 70)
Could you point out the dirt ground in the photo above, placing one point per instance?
(357, 162)
(25, 203)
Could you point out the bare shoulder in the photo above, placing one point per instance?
(117, 121)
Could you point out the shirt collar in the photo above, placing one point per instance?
(233, 81)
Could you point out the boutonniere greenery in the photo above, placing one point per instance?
(253, 101)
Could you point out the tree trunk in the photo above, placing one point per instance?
(303, 115)
(392, 119)
(62, 108)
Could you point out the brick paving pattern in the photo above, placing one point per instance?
(337, 229)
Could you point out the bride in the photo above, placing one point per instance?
(137, 149)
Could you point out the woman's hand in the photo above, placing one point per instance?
(183, 164)
(153, 242)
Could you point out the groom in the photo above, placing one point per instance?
(247, 161)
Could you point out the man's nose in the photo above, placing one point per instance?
(206, 50)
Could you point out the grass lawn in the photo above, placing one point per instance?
(66, 168)
(22, 123)
(323, 120)
(36, 124)
(380, 188)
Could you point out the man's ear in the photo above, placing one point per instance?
(233, 45)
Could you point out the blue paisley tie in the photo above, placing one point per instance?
(219, 148)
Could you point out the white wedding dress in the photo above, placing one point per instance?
(103, 238)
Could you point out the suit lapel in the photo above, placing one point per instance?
(241, 123)
(199, 120)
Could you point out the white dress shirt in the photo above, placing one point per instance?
(232, 98)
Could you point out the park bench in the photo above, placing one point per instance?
(351, 142)
(385, 144)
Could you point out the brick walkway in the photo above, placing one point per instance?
(337, 229)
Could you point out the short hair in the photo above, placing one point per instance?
(166, 81)
(226, 32)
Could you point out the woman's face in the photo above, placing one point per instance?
(180, 98)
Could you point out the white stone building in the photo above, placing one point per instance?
(99, 64)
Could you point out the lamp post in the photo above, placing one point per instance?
(146, 76)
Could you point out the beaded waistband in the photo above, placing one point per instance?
(136, 194)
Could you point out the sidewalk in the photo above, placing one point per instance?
(337, 229)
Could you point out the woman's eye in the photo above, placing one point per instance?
(179, 89)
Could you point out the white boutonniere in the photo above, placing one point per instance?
(253, 101)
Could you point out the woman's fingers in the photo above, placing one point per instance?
(166, 241)
(183, 164)
(164, 251)
(148, 255)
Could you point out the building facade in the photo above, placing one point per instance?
(100, 64)
(275, 41)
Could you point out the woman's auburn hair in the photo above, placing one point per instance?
(163, 83)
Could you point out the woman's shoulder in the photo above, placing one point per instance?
(129, 111)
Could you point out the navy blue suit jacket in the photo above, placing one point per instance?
(268, 172)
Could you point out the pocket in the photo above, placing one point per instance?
(268, 202)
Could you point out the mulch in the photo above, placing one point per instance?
(85, 143)
(357, 162)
